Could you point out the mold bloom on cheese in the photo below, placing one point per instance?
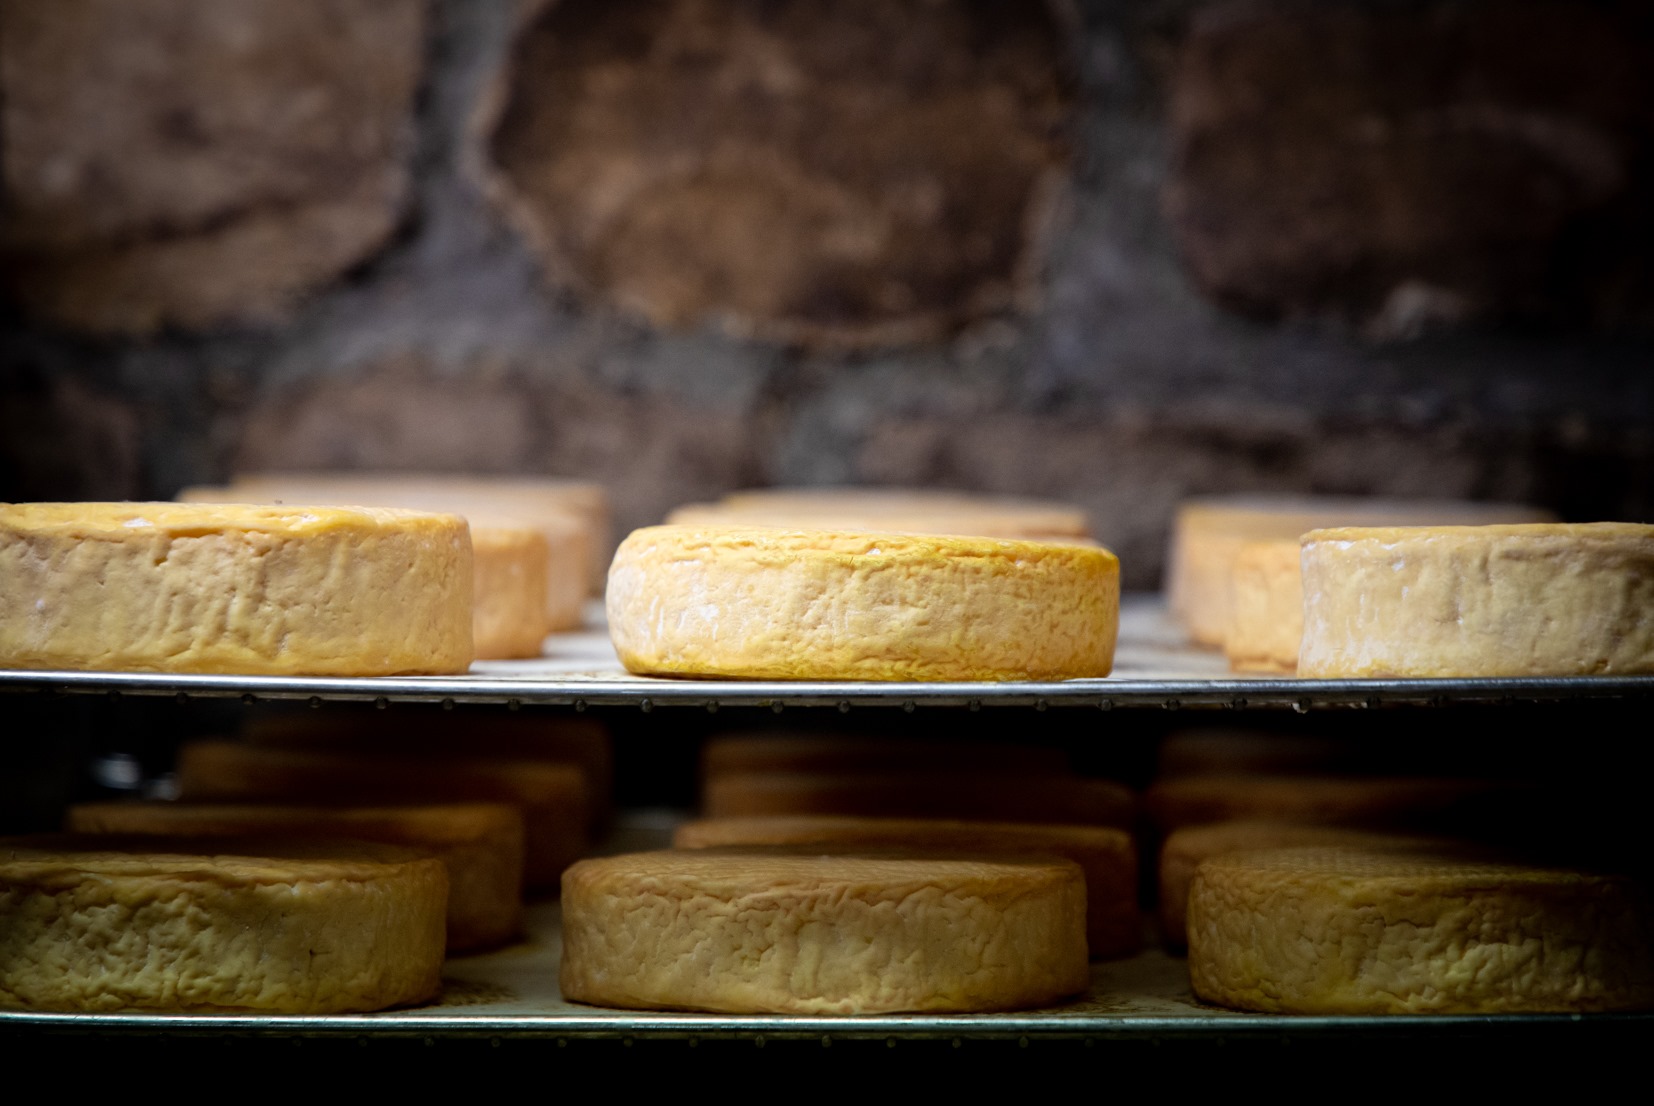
(754, 602)
(171, 587)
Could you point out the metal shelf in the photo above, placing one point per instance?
(1154, 668)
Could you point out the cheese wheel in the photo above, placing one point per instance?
(93, 924)
(794, 932)
(1541, 600)
(845, 754)
(1267, 615)
(1407, 931)
(480, 845)
(1185, 849)
(166, 587)
(821, 605)
(573, 515)
(907, 510)
(1042, 799)
(1208, 532)
(1107, 856)
(510, 616)
(1346, 800)
(1221, 751)
(551, 797)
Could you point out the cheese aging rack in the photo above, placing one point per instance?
(511, 995)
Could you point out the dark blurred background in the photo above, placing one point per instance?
(1117, 253)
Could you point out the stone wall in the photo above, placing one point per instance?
(1116, 253)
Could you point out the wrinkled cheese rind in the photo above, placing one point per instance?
(780, 931)
(804, 604)
(1541, 600)
(170, 587)
(1371, 931)
(290, 928)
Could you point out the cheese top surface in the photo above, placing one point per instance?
(130, 520)
(429, 824)
(778, 870)
(916, 832)
(1580, 532)
(252, 860)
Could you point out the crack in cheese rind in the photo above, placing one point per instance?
(1543, 600)
(173, 587)
(1402, 931)
(91, 925)
(788, 931)
(802, 604)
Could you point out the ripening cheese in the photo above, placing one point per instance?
(1267, 608)
(846, 754)
(904, 509)
(1107, 856)
(822, 605)
(480, 845)
(1542, 600)
(510, 614)
(794, 932)
(1209, 531)
(1327, 800)
(1409, 931)
(97, 924)
(935, 794)
(551, 797)
(168, 587)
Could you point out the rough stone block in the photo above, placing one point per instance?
(189, 162)
(825, 172)
(1403, 164)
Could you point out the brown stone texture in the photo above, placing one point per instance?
(189, 162)
(827, 172)
(1403, 165)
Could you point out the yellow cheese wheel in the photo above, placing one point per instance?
(1108, 857)
(794, 604)
(1267, 608)
(1408, 931)
(96, 924)
(168, 587)
(480, 845)
(1344, 800)
(1540, 600)
(510, 613)
(783, 931)
(1209, 531)
(551, 797)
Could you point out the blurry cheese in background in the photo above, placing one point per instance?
(1416, 930)
(848, 754)
(1210, 531)
(1371, 801)
(904, 509)
(551, 797)
(481, 845)
(511, 611)
(935, 794)
(97, 923)
(1267, 618)
(1557, 599)
(572, 514)
(1108, 856)
(226, 588)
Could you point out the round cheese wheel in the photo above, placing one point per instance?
(1392, 931)
(1349, 800)
(1266, 617)
(96, 924)
(939, 794)
(510, 616)
(824, 605)
(1542, 600)
(480, 844)
(1107, 856)
(171, 587)
(782, 931)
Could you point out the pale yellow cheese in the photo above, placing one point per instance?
(510, 613)
(779, 931)
(480, 845)
(1540, 600)
(174, 587)
(934, 794)
(903, 509)
(797, 604)
(1267, 615)
(1369, 931)
(572, 514)
(1209, 531)
(1107, 856)
(96, 924)
(1185, 849)
(551, 797)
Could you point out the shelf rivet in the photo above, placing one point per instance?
(1237, 704)
(1022, 1042)
(249, 699)
(1106, 704)
(844, 706)
(910, 706)
(826, 1042)
(513, 704)
(1301, 706)
(694, 1042)
(1040, 704)
(1172, 704)
(315, 702)
(957, 1043)
(975, 704)
(777, 707)
(890, 1042)
(447, 704)
(381, 703)
(182, 697)
(712, 708)
(646, 706)
(562, 1042)
(1372, 702)
(579, 705)
(758, 1042)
